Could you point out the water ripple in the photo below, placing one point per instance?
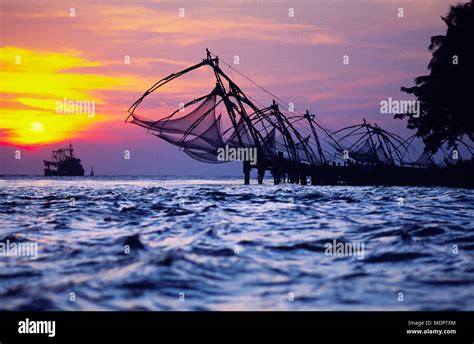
(133, 243)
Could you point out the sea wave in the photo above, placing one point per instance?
(151, 243)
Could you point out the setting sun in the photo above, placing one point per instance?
(37, 127)
(35, 82)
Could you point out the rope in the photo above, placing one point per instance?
(282, 101)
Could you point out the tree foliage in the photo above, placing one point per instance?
(446, 95)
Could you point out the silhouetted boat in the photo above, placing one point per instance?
(63, 163)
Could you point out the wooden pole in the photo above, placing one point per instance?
(246, 172)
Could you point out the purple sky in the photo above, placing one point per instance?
(298, 58)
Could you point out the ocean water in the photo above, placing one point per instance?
(150, 243)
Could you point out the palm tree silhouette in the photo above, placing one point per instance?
(446, 95)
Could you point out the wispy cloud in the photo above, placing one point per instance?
(32, 84)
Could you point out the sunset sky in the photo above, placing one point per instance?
(78, 50)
